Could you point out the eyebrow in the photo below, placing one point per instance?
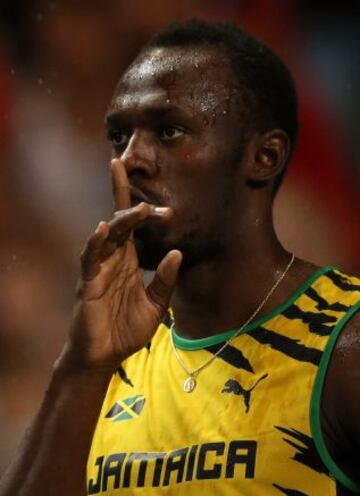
(152, 112)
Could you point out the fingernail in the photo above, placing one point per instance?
(160, 210)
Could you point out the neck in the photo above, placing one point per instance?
(221, 294)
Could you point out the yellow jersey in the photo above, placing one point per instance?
(250, 427)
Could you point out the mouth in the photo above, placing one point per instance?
(137, 196)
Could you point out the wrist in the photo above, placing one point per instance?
(72, 364)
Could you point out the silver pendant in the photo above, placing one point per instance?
(189, 384)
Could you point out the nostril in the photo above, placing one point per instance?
(136, 166)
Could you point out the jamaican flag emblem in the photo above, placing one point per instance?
(126, 409)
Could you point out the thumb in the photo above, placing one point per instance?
(164, 280)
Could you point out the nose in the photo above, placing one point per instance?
(139, 156)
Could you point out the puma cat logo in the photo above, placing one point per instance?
(233, 386)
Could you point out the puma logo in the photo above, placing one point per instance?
(233, 386)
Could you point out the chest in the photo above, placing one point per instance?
(244, 427)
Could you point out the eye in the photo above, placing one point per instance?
(171, 132)
(118, 138)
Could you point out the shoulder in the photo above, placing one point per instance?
(344, 365)
(343, 373)
(340, 404)
(345, 359)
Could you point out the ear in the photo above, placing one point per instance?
(270, 154)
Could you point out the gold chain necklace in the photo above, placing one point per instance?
(190, 382)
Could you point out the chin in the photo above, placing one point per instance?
(149, 260)
(152, 249)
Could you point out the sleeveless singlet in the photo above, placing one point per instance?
(252, 424)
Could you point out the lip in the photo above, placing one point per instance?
(137, 196)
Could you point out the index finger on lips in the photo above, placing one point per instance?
(120, 183)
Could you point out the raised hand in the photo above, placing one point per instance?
(115, 315)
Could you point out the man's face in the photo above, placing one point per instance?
(174, 120)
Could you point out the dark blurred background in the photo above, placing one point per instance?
(59, 62)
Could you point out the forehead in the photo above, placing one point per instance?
(193, 76)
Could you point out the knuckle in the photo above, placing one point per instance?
(121, 216)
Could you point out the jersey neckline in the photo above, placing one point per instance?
(197, 344)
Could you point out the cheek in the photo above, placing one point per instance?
(198, 202)
(199, 180)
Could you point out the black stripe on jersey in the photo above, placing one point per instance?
(289, 347)
(231, 355)
(167, 320)
(322, 304)
(341, 282)
(123, 376)
(289, 492)
(316, 321)
(306, 452)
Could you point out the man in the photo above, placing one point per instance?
(213, 396)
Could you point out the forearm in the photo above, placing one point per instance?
(52, 458)
(114, 317)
